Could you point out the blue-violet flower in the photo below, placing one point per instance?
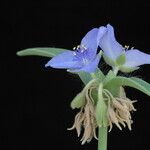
(133, 58)
(84, 58)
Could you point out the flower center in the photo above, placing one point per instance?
(85, 61)
(80, 54)
(126, 47)
(80, 48)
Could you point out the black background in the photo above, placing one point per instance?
(35, 100)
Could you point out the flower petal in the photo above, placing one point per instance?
(109, 45)
(135, 58)
(91, 67)
(64, 60)
(101, 32)
(90, 40)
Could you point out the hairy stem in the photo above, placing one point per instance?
(115, 70)
(102, 138)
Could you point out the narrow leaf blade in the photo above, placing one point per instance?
(133, 82)
(145, 84)
(41, 51)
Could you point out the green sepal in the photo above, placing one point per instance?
(127, 70)
(85, 77)
(41, 51)
(78, 101)
(108, 60)
(110, 75)
(101, 109)
(99, 75)
(133, 82)
(121, 59)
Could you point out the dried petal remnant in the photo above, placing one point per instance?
(119, 110)
(118, 113)
(86, 118)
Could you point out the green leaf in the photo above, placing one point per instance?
(40, 51)
(121, 59)
(101, 108)
(145, 84)
(114, 89)
(85, 77)
(78, 101)
(136, 83)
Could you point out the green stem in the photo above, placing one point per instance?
(115, 70)
(93, 75)
(102, 138)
